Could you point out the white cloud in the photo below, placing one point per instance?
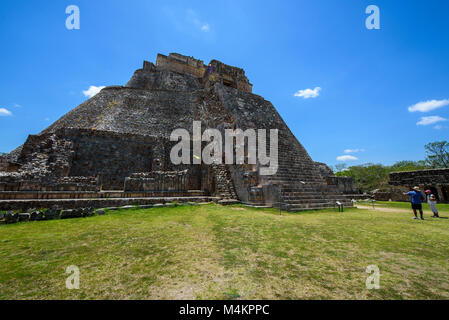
(5, 112)
(425, 106)
(16, 105)
(438, 127)
(308, 93)
(205, 28)
(188, 21)
(93, 90)
(425, 121)
(347, 158)
(354, 150)
(192, 16)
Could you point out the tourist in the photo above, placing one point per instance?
(416, 199)
(432, 201)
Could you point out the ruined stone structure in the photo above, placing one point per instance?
(435, 180)
(116, 146)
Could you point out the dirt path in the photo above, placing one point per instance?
(383, 209)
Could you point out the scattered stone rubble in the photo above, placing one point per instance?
(11, 217)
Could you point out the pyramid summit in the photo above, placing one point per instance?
(115, 148)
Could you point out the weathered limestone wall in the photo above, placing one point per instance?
(324, 169)
(182, 64)
(27, 183)
(393, 195)
(98, 203)
(343, 185)
(150, 78)
(420, 177)
(94, 160)
(109, 155)
(229, 76)
(437, 180)
(158, 181)
(134, 111)
(59, 195)
(3, 163)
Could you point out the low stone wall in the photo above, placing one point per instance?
(420, 177)
(58, 195)
(24, 205)
(393, 196)
(27, 183)
(157, 181)
(344, 185)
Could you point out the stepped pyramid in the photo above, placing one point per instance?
(117, 144)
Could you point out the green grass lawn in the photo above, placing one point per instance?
(215, 252)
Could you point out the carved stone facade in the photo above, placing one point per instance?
(158, 181)
(118, 144)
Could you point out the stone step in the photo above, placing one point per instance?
(305, 201)
(318, 206)
(17, 195)
(295, 177)
(227, 202)
(314, 200)
(224, 183)
(24, 205)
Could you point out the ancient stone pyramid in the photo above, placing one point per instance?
(116, 144)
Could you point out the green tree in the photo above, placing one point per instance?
(407, 165)
(368, 177)
(437, 154)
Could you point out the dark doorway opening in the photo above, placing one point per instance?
(229, 83)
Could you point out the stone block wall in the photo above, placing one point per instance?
(3, 163)
(230, 76)
(182, 64)
(393, 195)
(437, 180)
(344, 185)
(111, 156)
(28, 183)
(157, 181)
(420, 177)
(92, 160)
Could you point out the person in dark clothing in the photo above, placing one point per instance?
(416, 199)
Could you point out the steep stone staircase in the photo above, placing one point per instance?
(224, 184)
(302, 186)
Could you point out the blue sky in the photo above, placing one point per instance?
(368, 79)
